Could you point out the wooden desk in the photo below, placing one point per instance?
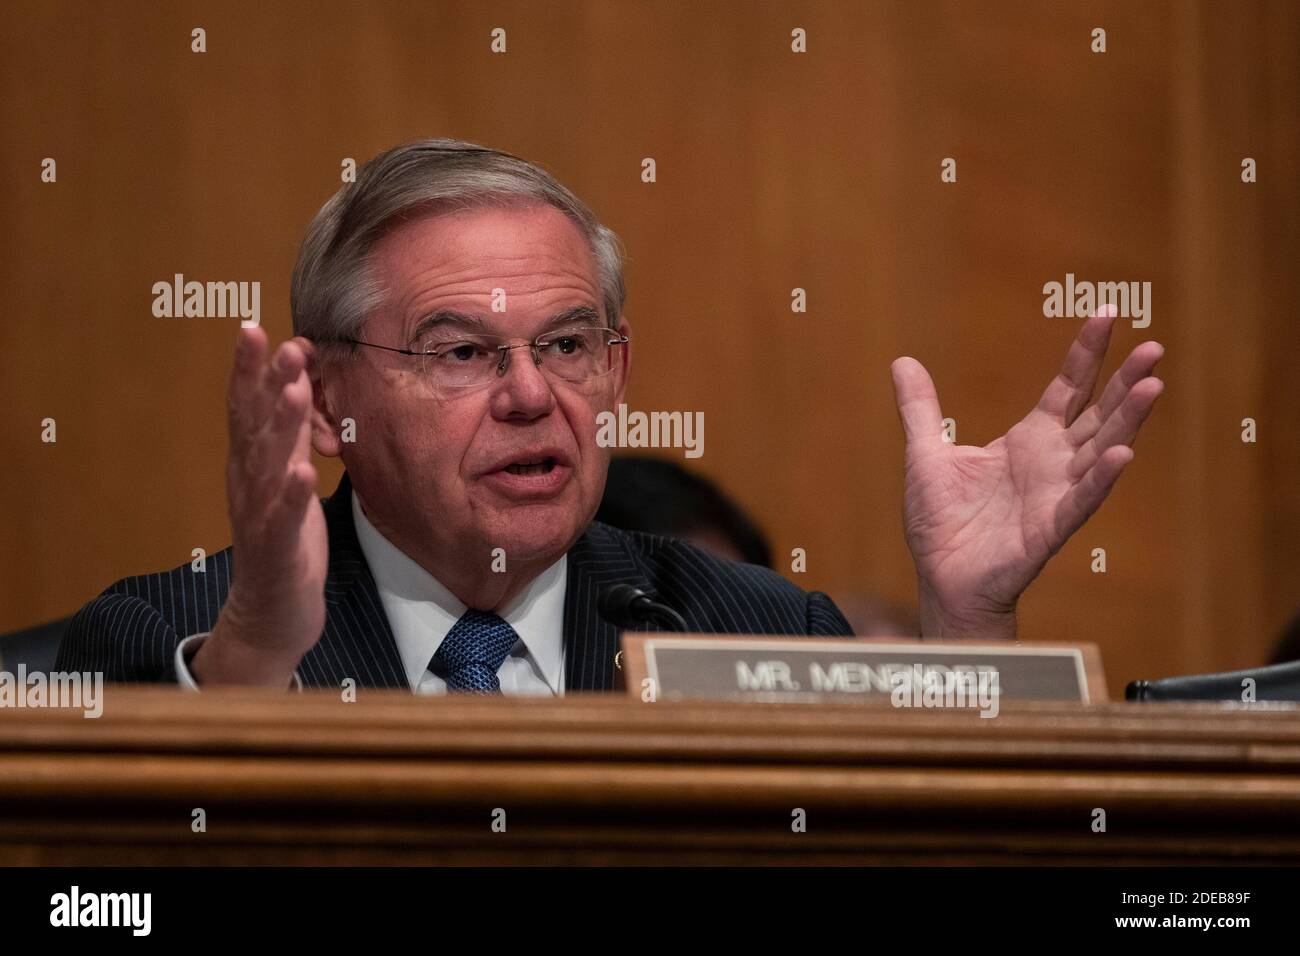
(289, 779)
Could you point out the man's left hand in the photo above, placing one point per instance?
(982, 522)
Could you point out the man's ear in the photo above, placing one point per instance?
(626, 358)
(324, 428)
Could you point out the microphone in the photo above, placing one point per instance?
(1275, 682)
(625, 606)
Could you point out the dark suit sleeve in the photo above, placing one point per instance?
(825, 618)
(123, 637)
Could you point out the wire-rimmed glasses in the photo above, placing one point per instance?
(578, 355)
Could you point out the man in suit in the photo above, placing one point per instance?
(458, 319)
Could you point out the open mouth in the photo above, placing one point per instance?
(542, 466)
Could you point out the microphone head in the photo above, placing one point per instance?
(615, 603)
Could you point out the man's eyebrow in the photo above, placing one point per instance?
(447, 317)
(578, 313)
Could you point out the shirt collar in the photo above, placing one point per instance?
(421, 610)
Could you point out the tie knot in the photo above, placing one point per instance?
(472, 651)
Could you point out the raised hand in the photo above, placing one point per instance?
(275, 610)
(982, 522)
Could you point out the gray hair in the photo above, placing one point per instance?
(333, 289)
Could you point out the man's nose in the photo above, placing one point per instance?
(523, 389)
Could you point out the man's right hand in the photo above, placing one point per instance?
(275, 610)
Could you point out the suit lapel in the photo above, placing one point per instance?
(597, 560)
(358, 641)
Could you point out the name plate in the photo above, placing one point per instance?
(904, 673)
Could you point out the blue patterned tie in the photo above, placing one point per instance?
(473, 649)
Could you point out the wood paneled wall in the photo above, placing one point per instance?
(775, 170)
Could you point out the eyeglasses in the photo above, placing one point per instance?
(576, 355)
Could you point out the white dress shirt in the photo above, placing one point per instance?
(421, 612)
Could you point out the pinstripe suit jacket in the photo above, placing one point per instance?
(130, 632)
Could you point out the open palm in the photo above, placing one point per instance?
(982, 522)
